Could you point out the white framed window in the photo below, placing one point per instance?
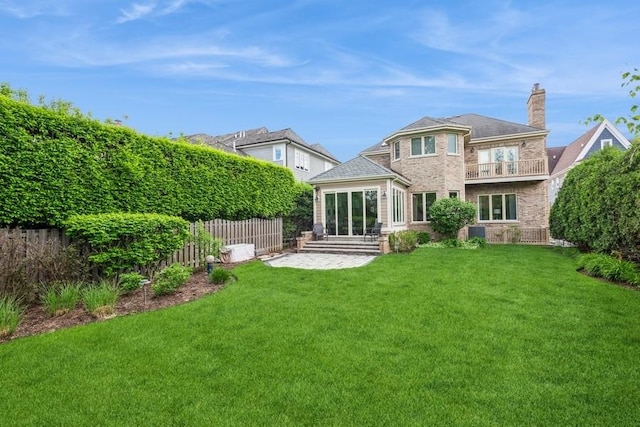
(327, 165)
(423, 146)
(396, 150)
(301, 160)
(499, 161)
(497, 207)
(398, 205)
(278, 153)
(421, 202)
(606, 143)
(452, 143)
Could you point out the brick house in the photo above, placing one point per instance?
(499, 166)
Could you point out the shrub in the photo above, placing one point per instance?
(423, 237)
(60, 298)
(220, 276)
(205, 244)
(10, 315)
(300, 218)
(87, 167)
(480, 242)
(597, 206)
(608, 267)
(129, 282)
(449, 215)
(403, 241)
(119, 242)
(169, 279)
(101, 300)
(452, 243)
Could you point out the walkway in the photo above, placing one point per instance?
(319, 261)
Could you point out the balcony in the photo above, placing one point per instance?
(519, 170)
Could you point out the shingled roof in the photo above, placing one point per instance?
(487, 127)
(232, 142)
(360, 168)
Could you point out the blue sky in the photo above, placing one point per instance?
(341, 73)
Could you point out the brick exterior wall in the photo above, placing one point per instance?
(532, 201)
(383, 159)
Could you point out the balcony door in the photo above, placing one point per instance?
(498, 161)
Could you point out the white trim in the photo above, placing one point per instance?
(606, 124)
(519, 136)
(429, 129)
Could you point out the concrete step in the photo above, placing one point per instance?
(351, 246)
(339, 250)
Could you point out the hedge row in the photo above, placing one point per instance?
(54, 165)
(598, 207)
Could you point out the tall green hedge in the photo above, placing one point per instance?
(598, 206)
(54, 165)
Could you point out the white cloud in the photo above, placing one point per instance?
(25, 9)
(135, 12)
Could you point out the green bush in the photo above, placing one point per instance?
(205, 244)
(10, 315)
(119, 242)
(100, 300)
(403, 241)
(169, 279)
(597, 207)
(130, 282)
(452, 243)
(449, 215)
(300, 218)
(220, 276)
(77, 165)
(480, 242)
(423, 237)
(60, 298)
(608, 267)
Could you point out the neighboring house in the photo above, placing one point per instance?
(562, 159)
(283, 147)
(499, 166)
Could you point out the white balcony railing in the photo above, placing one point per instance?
(514, 169)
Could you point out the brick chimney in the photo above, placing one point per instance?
(536, 107)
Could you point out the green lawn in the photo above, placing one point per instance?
(506, 335)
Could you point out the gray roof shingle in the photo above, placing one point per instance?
(358, 167)
(249, 137)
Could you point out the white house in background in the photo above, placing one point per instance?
(283, 147)
(562, 159)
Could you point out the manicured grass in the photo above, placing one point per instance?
(506, 335)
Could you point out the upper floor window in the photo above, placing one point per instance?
(301, 160)
(452, 143)
(421, 203)
(606, 143)
(396, 150)
(423, 145)
(497, 207)
(277, 153)
(327, 165)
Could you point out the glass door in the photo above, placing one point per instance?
(350, 213)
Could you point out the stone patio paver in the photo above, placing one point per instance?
(319, 261)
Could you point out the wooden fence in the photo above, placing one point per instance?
(265, 234)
